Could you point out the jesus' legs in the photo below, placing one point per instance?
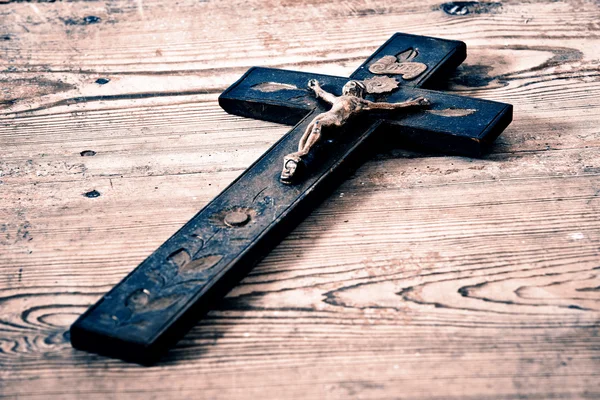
(311, 136)
(311, 139)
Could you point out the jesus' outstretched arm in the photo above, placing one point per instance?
(319, 92)
(419, 101)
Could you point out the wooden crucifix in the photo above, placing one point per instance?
(159, 301)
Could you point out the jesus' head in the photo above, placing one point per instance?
(354, 88)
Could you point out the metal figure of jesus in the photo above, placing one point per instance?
(342, 109)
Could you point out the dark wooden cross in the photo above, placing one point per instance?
(158, 302)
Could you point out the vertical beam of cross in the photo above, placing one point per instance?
(151, 308)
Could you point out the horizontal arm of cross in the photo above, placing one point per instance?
(452, 123)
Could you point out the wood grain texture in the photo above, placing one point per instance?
(421, 277)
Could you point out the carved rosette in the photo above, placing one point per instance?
(380, 84)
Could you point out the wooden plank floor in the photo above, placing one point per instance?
(421, 277)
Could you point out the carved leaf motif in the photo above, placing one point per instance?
(200, 264)
(409, 70)
(270, 87)
(180, 258)
(160, 303)
(138, 299)
(141, 301)
(186, 265)
(453, 112)
(382, 65)
(407, 55)
(155, 276)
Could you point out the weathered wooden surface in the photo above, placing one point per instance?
(421, 277)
